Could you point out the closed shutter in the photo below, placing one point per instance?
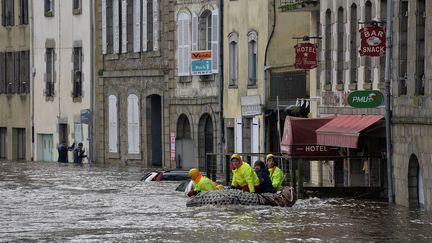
(195, 32)
(155, 25)
(112, 120)
(12, 14)
(124, 38)
(186, 47)
(180, 48)
(255, 138)
(17, 71)
(104, 27)
(215, 45)
(239, 136)
(133, 125)
(144, 25)
(116, 31)
(137, 26)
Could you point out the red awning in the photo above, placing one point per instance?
(344, 130)
(299, 139)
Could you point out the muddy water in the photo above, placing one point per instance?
(50, 202)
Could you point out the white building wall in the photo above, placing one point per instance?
(64, 28)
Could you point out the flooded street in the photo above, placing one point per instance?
(51, 202)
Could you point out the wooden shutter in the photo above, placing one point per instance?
(2, 73)
(144, 25)
(104, 27)
(195, 32)
(133, 124)
(78, 132)
(255, 137)
(112, 132)
(215, 42)
(239, 136)
(155, 25)
(124, 38)
(180, 49)
(137, 26)
(186, 47)
(183, 58)
(116, 31)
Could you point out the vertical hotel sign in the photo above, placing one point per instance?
(306, 57)
(373, 41)
(172, 146)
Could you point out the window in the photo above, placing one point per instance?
(136, 28)
(112, 121)
(339, 49)
(49, 8)
(133, 125)
(353, 44)
(24, 72)
(403, 48)
(10, 72)
(420, 48)
(252, 58)
(233, 59)
(3, 142)
(23, 14)
(2, 73)
(77, 72)
(205, 30)
(116, 25)
(183, 46)
(49, 72)
(77, 5)
(8, 18)
(123, 26)
(383, 13)
(327, 52)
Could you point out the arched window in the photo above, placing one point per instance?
(252, 58)
(327, 52)
(112, 124)
(233, 58)
(340, 43)
(183, 45)
(353, 43)
(133, 125)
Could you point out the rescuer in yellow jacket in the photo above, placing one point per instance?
(276, 174)
(201, 183)
(244, 177)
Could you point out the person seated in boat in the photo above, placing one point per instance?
(264, 178)
(276, 174)
(201, 183)
(244, 177)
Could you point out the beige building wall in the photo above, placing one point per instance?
(15, 108)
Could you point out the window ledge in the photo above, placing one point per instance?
(352, 86)
(328, 87)
(49, 14)
(112, 56)
(133, 55)
(207, 78)
(77, 11)
(185, 79)
(252, 86)
(339, 87)
(233, 86)
(112, 155)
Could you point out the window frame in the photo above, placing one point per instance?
(252, 38)
(49, 8)
(76, 7)
(77, 75)
(49, 71)
(233, 59)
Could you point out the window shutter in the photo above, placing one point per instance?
(195, 32)
(4, 13)
(133, 125)
(2, 73)
(239, 135)
(180, 47)
(255, 137)
(144, 25)
(136, 126)
(137, 25)
(104, 27)
(215, 45)
(12, 14)
(116, 32)
(130, 124)
(155, 25)
(124, 39)
(16, 78)
(112, 133)
(186, 47)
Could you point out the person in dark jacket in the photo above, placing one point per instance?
(79, 154)
(264, 178)
(63, 150)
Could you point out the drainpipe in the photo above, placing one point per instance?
(387, 100)
(90, 125)
(32, 74)
(264, 81)
(220, 88)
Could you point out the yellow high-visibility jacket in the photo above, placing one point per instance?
(245, 175)
(276, 177)
(203, 184)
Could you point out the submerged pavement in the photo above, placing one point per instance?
(52, 202)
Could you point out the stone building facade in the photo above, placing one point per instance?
(193, 106)
(412, 92)
(15, 85)
(135, 66)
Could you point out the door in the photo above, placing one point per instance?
(3, 144)
(47, 147)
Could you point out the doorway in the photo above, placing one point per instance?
(47, 147)
(154, 129)
(205, 139)
(415, 183)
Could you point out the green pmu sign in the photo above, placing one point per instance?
(365, 98)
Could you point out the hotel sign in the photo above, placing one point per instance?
(306, 57)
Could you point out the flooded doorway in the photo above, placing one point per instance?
(46, 140)
(415, 183)
(3, 142)
(185, 150)
(19, 144)
(154, 129)
(205, 139)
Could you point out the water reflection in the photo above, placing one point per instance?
(55, 202)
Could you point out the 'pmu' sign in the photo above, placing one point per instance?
(306, 57)
(372, 41)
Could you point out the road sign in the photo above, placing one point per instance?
(201, 62)
(365, 98)
(86, 116)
